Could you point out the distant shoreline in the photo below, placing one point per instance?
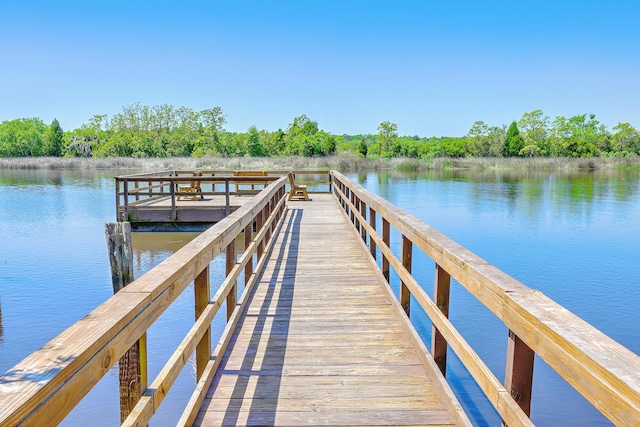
(343, 163)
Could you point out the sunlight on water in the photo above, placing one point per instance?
(572, 236)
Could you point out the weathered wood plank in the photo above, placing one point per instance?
(320, 330)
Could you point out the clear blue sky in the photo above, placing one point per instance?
(432, 67)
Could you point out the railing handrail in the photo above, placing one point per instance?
(45, 386)
(599, 368)
(167, 184)
(222, 172)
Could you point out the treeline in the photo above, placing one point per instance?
(166, 131)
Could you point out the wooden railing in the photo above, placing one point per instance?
(44, 387)
(138, 189)
(603, 371)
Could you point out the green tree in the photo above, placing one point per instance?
(254, 147)
(625, 141)
(304, 139)
(514, 142)
(485, 140)
(54, 141)
(22, 137)
(535, 132)
(580, 136)
(386, 139)
(362, 147)
(274, 143)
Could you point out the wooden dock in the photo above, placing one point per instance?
(317, 336)
(321, 342)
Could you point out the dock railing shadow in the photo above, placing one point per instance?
(48, 384)
(277, 287)
(599, 368)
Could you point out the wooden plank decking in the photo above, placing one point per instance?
(320, 342)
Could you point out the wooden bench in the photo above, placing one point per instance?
(297, 191)
(193, 189)
(251, 183)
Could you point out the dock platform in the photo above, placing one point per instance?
(317, 335)
(321, 342)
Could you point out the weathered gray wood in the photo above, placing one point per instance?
(132, 366)
(120, 252)
(69, 365)
(322, 338)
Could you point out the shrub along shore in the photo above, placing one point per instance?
(346, 162)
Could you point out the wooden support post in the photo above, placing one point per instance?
(386, 234)
(363, 212)
(174, 214)
(266, 213)
(259, 222)
(136, 187)
(518, 378)
(407, 254)
(227, 197)
(125, 192)
(133, 364)
(119, 215)
(202, 293)
(442, 285)
(347, 200)
(248, 270)
(372, 223)
(232, 298)
(356, 221)
(353, 203)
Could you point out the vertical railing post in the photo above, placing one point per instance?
(202, 293)
(442, 285)
(405, 294)
(232, 298)
(356, 204)
(132, 372)
(248, 270)
(353, 203)
(330, 182)
(518, 378)
(372, 223)
(136, 186)
(386, 235)
(363, 212)
(266, 213)
(174, 215)
(259, 222)
(118, 213)
(227, 197)
(346, 200)
(125, 193)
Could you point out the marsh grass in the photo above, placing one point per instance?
(343, 162)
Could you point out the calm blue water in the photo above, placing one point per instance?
(575, 237)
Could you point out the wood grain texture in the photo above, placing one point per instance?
(46, 385)
(320, 343)
(602, 370)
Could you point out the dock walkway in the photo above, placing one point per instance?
(321, 342)
(316, 337)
